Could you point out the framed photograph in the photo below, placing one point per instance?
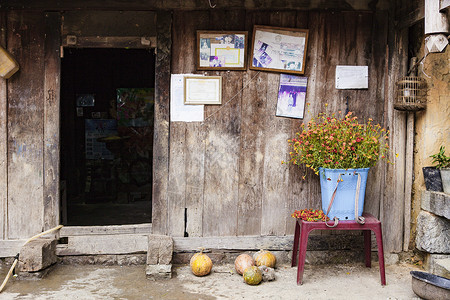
(291, 96)
(221, 50)
(202, 90)
(279, 49)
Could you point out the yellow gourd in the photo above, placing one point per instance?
(201, 264)
(252, 275)
(265, 258)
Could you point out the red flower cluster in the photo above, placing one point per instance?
(339, 143)
(310, 215)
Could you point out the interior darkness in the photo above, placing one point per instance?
(106, 144)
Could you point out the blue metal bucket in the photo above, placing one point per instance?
(344, 202)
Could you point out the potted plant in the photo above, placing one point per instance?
(340, 149)
(443, 167)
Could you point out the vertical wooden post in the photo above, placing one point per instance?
(51, 147)
(3, 137)
(161, 137)
(409, 164)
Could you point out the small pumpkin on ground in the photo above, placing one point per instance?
(265, 258)
(242, 262)
(201, 264)
(252, 275)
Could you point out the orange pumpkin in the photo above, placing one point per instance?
(201, 264)
(242, 262)
(252, 275)
(265, 258)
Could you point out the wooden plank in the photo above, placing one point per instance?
(222, 143)
(195, 131)
(273, 243)
(135, 42)
(104, 230)
(409, 170)
(51, 119)
(186, 5)
(25, 125)
(274, 214)
(234, 243)
(126, 23)
(251, 152)
(407, 19)
(104, 244)
(393, 205)
(297, 191)
(375, 187)
(10, 248)
(161, 138)
(3, 137)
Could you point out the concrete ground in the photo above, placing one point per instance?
(349, 281)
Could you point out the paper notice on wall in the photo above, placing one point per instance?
(179, 112)
(352, 77)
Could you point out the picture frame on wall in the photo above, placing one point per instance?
(291, 96)
(202, 90)
(221, 50)
(279, 49)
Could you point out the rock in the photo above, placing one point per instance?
(268, 274)
(436, 203)
(37, 255)
(433, 233)
(156, 272)
(159, 257)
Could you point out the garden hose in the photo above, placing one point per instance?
(16, 258)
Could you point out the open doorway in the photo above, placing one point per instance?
(107, 112)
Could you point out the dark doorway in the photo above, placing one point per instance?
(107, 111)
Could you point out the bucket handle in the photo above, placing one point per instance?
(359, 219)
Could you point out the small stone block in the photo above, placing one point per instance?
(433, 233)
(160, 250)
(436, 203)
(37, 255)
(156, 272)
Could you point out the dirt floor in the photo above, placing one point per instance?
(351, 281)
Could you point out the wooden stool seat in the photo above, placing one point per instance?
(303, 228)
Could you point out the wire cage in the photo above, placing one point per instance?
(411, 94)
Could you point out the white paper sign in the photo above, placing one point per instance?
(352, 77)
(179, 112)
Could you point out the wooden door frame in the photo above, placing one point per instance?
(162, 43)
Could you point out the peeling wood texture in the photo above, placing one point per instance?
(244, 189)
(25, 125)
(161, 138)
(3, 137)
(51, 119)
(221, 177)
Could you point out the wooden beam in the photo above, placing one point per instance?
(185, 5)
(104, 244)
(135, 42)
(52, 75)
(161, 138)
(3, 137)
(105, 230)
(407, 19)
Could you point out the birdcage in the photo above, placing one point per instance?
(411, 94)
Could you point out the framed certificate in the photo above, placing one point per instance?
(202, 90)
(279, 49)
(221, 50)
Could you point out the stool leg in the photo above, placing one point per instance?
(295, 248)
(379, 237)
(367, 247)
(302, 253)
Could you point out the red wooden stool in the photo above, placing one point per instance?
(303, 228)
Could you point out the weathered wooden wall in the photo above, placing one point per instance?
(225, 175)
(226, 172)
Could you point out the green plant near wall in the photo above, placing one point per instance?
(440, 159)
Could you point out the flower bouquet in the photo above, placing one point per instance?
(342, 149)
